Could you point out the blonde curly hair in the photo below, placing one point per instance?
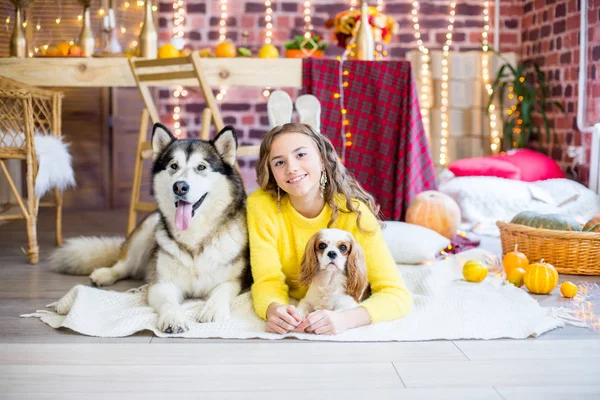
(339, 180)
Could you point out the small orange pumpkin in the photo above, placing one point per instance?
(436, 211)
(541, 278)
(513, 260)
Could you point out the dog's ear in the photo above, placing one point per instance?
(161, 138)
(310, 263)
(226, 144)
(357, 272)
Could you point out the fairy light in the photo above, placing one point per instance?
(307, 19)
(178, 18)
(444, 91)
(268, 22)
(425, 75)
(582, 306)
(221, 95)
(179, 93)
(380, 5)
(343, 82)
(223, 21)
(485, 68)
(57, 20)
(353, 4)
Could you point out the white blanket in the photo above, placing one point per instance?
(446, 307)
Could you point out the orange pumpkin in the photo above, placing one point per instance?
(541, 278)
(513, 260)
(434, 210)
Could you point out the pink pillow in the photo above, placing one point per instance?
(485, 166)
(533, 166)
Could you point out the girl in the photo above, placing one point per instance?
(303, 189)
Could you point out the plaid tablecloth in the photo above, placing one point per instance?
(389, 155)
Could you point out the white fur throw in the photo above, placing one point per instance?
(55, 170)
(446, 307)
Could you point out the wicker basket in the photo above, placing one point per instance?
(576, 253)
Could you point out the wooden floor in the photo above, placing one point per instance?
(38, 362)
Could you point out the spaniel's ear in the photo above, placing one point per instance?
(310, 263)
(357, 272)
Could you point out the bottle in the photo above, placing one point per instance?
(365, 44)
(148, 43)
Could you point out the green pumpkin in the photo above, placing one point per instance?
(523, 218)
(555, 222)
(593, 225)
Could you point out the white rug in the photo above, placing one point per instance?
(446, 307)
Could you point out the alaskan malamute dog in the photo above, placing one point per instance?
(194, 246)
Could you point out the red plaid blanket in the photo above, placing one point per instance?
(389, 155)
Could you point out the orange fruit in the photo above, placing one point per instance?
(568, 289)
(515, 276)
(225, 49)
(268, 51)
(474, 271)
(63, 48)
(514, 259)
(168, 51)
(75, 51)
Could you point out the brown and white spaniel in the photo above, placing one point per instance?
(333, 267)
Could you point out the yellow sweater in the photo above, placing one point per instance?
(277, 243)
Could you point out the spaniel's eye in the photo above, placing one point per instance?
(343, 248)
(174, 166)
(322, 246)
(201, 167)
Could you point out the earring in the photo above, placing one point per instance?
(278, 200)
(323, 182)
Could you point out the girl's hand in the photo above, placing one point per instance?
(282, 318)
(324, 322)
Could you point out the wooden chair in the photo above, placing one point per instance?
(26, 110)
(184, 71)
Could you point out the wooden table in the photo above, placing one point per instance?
(115, 72)
(99, 110)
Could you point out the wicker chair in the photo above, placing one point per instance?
(25, 110)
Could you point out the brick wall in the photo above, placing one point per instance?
(246, 108)
(551, 38)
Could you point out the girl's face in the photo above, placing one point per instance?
(296, 164)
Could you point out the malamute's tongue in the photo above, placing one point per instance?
(183, 215)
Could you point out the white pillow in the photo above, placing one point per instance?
(412, 244)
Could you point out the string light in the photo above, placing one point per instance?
(425, 73)
(380, 5)
(353, 4)
(178, 93)
(268, 22)
(178, 18)
(485, 67)
(307, 19)
(223, 21)
(178, 31)
(343, 82)
(444, 91)
(221, 95)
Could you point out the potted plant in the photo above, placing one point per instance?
(300, 47)
(526, 85)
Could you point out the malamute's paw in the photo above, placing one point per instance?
(213, 311)
(102, 277)
(172, 321)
